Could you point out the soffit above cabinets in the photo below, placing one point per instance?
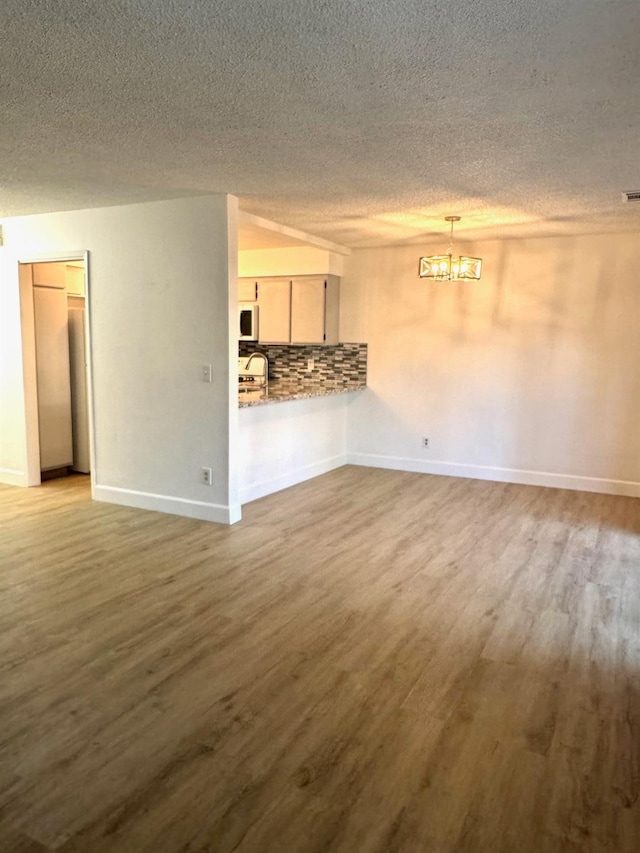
(255, 232)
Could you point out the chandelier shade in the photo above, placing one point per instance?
(450, 267)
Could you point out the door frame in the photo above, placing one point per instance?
(29, 378)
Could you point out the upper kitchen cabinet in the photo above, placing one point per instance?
(315, 309)
(274, 306)
(301, 310)
(247, 289)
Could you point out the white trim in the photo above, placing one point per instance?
(267, 487)
(245, 218)
(161, 503)
(628, 488)
(78, 255)
(233, 416)
(32, 437)
(88, 345)
(29, 376)
(12, 477)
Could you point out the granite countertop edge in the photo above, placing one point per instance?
(281, 394)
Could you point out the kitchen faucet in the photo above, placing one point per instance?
(266, 365)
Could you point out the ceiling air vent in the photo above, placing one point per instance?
(634, 195)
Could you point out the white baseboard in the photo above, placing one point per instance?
(174, 506)
(267, 487)
(12, 477)
(501, 475)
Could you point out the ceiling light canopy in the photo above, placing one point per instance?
(450, 267)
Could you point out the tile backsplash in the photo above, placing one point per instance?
(339, 365)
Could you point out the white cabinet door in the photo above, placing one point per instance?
(332, 310)
(308, 310)
(274, 302)
(52, 370)
(50, 274)
(247, 289)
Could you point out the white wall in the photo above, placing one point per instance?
(162, 303)
(282, 444)
(530, 375)
(302, 260)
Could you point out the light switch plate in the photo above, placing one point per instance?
(206, 373)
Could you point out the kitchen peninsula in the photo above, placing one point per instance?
(289, 287)
(305, 434)
(280, 392)
(304, 372)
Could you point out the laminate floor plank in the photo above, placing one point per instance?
(371, 661)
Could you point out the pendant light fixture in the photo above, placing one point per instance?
(450, 267)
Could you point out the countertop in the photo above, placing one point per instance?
(279, 391)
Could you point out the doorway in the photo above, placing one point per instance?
(54, 306)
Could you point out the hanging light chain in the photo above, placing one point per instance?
(451, 219)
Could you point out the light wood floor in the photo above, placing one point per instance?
(372, 661)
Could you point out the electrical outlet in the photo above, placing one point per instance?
(205, 476)
(311, 363)
(205, 373)
(425, 442)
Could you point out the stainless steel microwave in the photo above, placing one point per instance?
(248, 321)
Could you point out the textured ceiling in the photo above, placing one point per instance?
(362, 122)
